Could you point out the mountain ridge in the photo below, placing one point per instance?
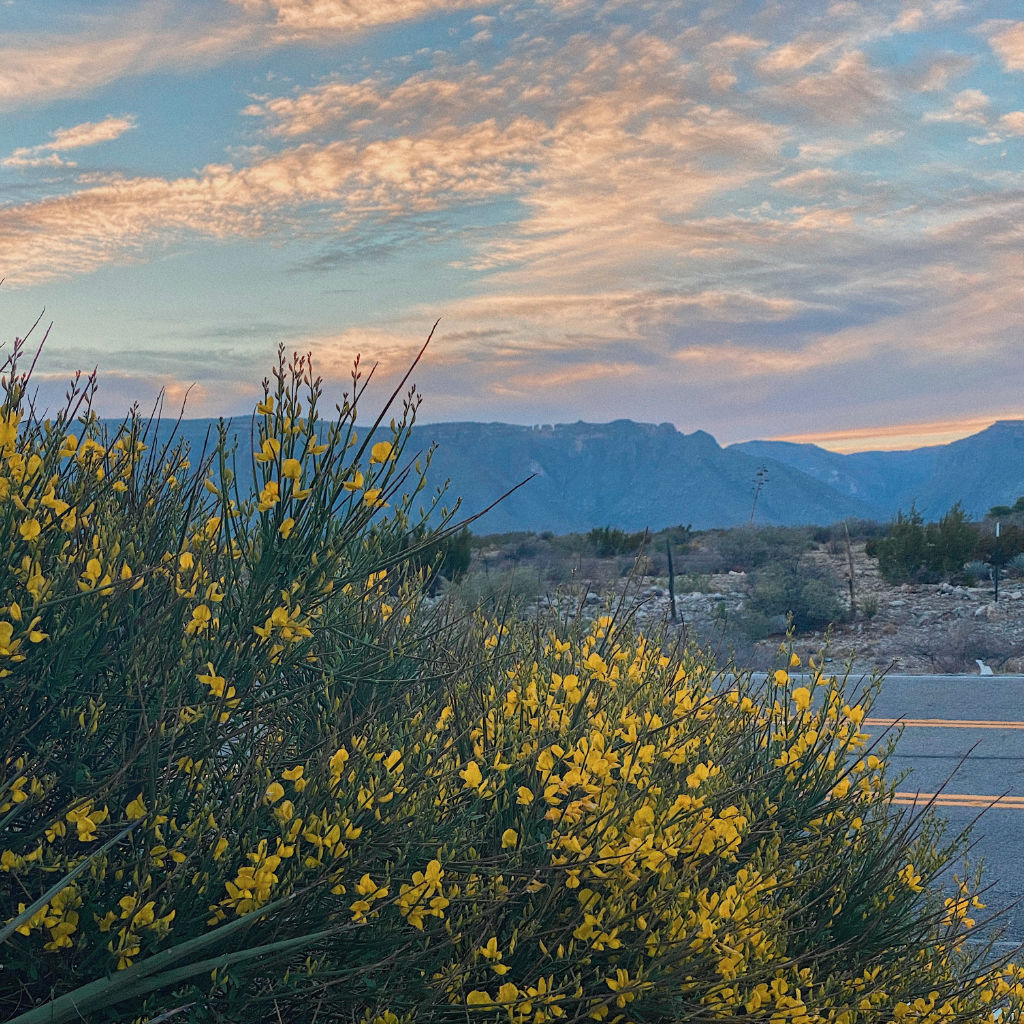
(631, 475)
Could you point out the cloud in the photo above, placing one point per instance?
(796, 55)
(115, 221)
(302, 17)
(894, 436)
(937, 71)
(1012, 123)
(849, 91)
(815, 180)
(89, 133)
(39, 68)
(27, 158)
(970, 106)
(1007, 39)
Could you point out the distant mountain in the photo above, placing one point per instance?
(979, 471)
(631, 475)
(623, 474)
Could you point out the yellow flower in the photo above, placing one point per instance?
(136, 809)
(911, 878)
(509, 838)
(269, 496)
(270, 451)
(9, 428)
(29, 529)
(355, 484)
(291, 469)
(525, 796)
(216, 683)
(201, 618)
(274, 792)
(381, 452)
(471, 775)
(285, 529)
(802, 698)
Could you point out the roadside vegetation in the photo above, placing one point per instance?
(250, 770)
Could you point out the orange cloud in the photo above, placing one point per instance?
(114, 221)
(307, 16)
(90, 133)
(898, 436)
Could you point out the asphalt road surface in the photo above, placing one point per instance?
(963, 739)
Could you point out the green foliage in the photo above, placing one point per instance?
(806, 593)
(916, 552)
(607, 541)
(1006, 511)
(440, 554)
(244, 777)
(748, 547)
(1002, 549)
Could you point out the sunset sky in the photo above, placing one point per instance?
(761, 219)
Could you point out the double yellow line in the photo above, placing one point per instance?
(943, 723)
(958, 800)
(951, 799)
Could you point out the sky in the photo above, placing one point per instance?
(760, 219)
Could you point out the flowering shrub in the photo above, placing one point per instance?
(244, 777)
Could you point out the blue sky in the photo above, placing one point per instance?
(761, 219)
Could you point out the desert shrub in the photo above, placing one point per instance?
(245, 779)
(607, 541)
(976, 571)
(744, 548)
(1002, 549)
(915, 552)
(497, 592)
(804, 591)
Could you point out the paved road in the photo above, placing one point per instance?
(964, 735)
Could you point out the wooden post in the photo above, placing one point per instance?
(671, 579)
(849, 562)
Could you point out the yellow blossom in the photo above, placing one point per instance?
(381, 452)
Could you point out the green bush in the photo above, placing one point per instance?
(439, 554)
(744, 548)
(800, 590)
(607, 541)
(915, 552)
(245, 778)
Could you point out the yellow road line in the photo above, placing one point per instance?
(943, 723)
(959, 800)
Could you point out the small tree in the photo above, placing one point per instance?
(902, 553)
(951, 542)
